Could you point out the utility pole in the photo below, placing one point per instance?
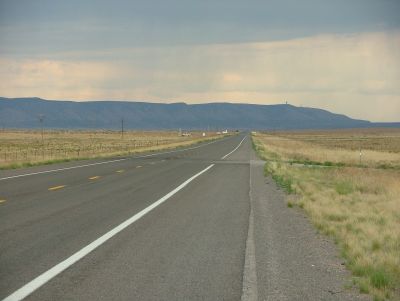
(122, 128)
(41, 119)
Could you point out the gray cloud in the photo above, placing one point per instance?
(43, 26)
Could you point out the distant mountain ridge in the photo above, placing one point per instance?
(24, 112)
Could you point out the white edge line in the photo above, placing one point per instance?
(33, 285)
(111, 161)
(60, 169)
(235, 148)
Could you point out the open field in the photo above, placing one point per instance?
(357, 204)
(379, 148)
(26, 147)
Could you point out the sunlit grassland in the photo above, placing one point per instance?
(20, 148)
(358, 205)
(378, 148)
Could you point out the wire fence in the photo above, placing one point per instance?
(15, 154)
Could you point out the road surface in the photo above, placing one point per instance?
(194, 224)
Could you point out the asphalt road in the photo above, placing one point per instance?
(194, 224)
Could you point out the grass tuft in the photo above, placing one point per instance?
(344, 187)
(284, 182)
(379, 279)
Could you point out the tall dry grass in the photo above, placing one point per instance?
(378, 139)
(334, 148)
(358, 207)
(26, 147)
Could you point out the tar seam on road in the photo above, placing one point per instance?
(249, 287)
(110, 161)
(42, 279)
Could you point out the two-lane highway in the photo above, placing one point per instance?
(168, 226)
(195, 224)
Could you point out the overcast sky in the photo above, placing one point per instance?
(341, 55)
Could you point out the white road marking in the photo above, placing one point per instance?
(234, 149)
(110, 161)
(60, 169)
(42, 279)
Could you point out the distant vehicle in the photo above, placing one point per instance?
(225, 132)
(186, 134)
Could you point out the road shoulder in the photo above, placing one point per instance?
(293, 261)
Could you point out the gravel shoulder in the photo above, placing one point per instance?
(293, 261)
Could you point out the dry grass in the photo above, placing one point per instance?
(379, 148)
(379, 139)
(25, 147)
(358, 207)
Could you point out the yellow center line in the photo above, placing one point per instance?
(94, 178)
(56, 187)
(120, 171)
(139, 166)
(2, 201)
